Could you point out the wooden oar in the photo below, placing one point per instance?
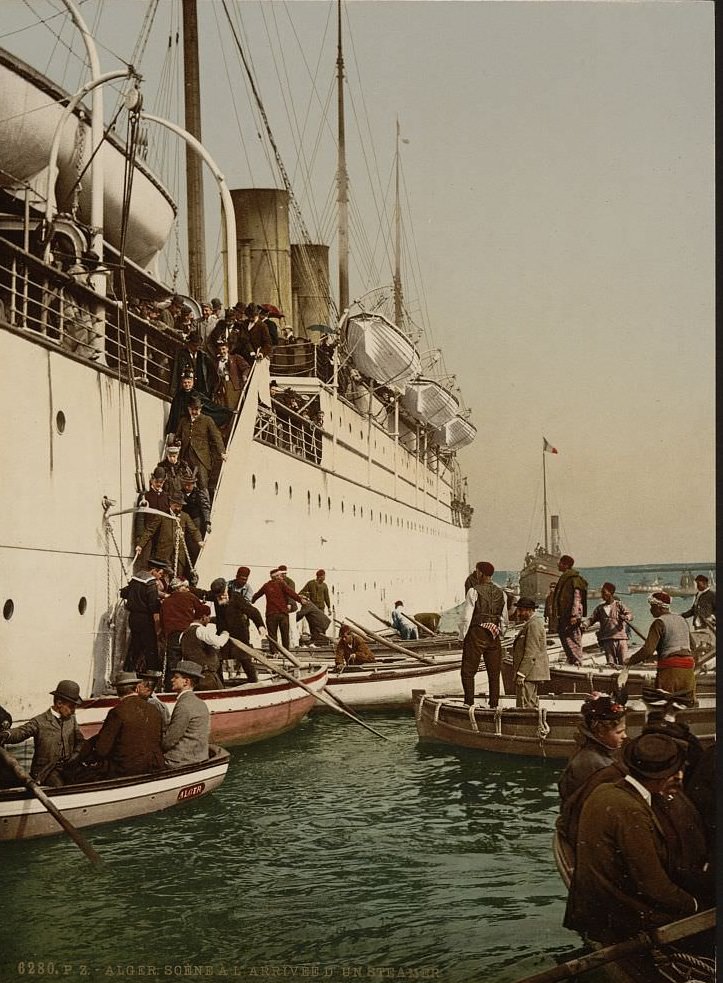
(321, 697)
(387, 624)
(390, 644)
(707, 658)
(30, 783)
(277, 645)
(421, 626)
(665, 935)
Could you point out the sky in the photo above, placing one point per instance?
(559, 179)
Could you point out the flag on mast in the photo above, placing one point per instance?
(547, 446)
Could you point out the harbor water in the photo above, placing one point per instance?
(327, 853)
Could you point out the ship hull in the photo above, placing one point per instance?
(379, 529)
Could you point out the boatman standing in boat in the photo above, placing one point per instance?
(483, 621)
(669, 638)
(144, 606)
(569, 606)
(530, 661)
(612, 616)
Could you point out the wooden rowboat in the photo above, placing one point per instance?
(23, 817)
(240, 714)
(548, 732)
(590, 678)
(388, 684)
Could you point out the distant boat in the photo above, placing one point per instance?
(23, 817)
(539, 569)
(549, 732)
(241, 714)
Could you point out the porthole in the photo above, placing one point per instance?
(328, 504)
(276, 488)
(253, 481)
(319, 501)
(350, 428)
(371, 515)
(353, 510)
(342, 508)
(60, 421)
(291, 493)
(8, 609)
(82, 605)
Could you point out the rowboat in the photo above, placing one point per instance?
(590, 678)
(456, 433)
(388, 684)
(430, 402)
(240, 714)
(548, 732)
(23, 817)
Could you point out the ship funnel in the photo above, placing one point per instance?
(555, 535)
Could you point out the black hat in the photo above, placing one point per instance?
(218, 586)
(176, 498)
(156, 564)
(602, 708)
(68, 689)
(526, 602)
(654, 756)
(195, 402)
(159, 473)
(150, 674)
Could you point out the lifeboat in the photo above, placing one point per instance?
(457, 433)
(429, 402)
(378, 349)
(30, 108)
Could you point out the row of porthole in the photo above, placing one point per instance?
(9, 607)
(388, 519)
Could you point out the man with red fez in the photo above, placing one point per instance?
(279, 596)
(317, 591)
(669, 639)
(483, 621)
(569, 606)
(240, 584)
(612, 616)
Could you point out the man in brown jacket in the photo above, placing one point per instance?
(130, 738)
(176, 539)
(622, 885)
(200, 439)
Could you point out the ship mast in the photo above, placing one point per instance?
(544, 493)
(398, 300)
(342, 177)
(194, 165)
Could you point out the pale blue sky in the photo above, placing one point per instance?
(560, 175)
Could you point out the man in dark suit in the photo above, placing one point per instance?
(130, 738)
(200, 441)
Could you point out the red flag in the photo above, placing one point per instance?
(547, 446)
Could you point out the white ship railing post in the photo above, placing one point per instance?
(230, 262)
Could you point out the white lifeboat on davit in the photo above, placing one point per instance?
(430, 402)
(378, 349)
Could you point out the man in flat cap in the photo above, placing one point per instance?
(483, 622)
(568, 608)
(317, 590)
(702, 610)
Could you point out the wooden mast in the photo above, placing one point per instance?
(342, 178)
(194, 165)
(544, 491)
(398, 299)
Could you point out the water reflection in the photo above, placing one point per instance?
(326, 845)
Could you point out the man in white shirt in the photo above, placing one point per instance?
(483, 622)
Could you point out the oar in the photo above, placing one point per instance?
(30, 783)
(390, 644)
(421, 626)
(328, 692)
(321, 697)
(387, 624)
(665, 935)
(707, 658)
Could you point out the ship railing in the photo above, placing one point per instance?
(287, 430)
(296, 358)
(63, 312)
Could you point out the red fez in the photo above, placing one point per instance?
(243, 572)
(321, 573)
(567, 560)
(608, 586)
(485, 568)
